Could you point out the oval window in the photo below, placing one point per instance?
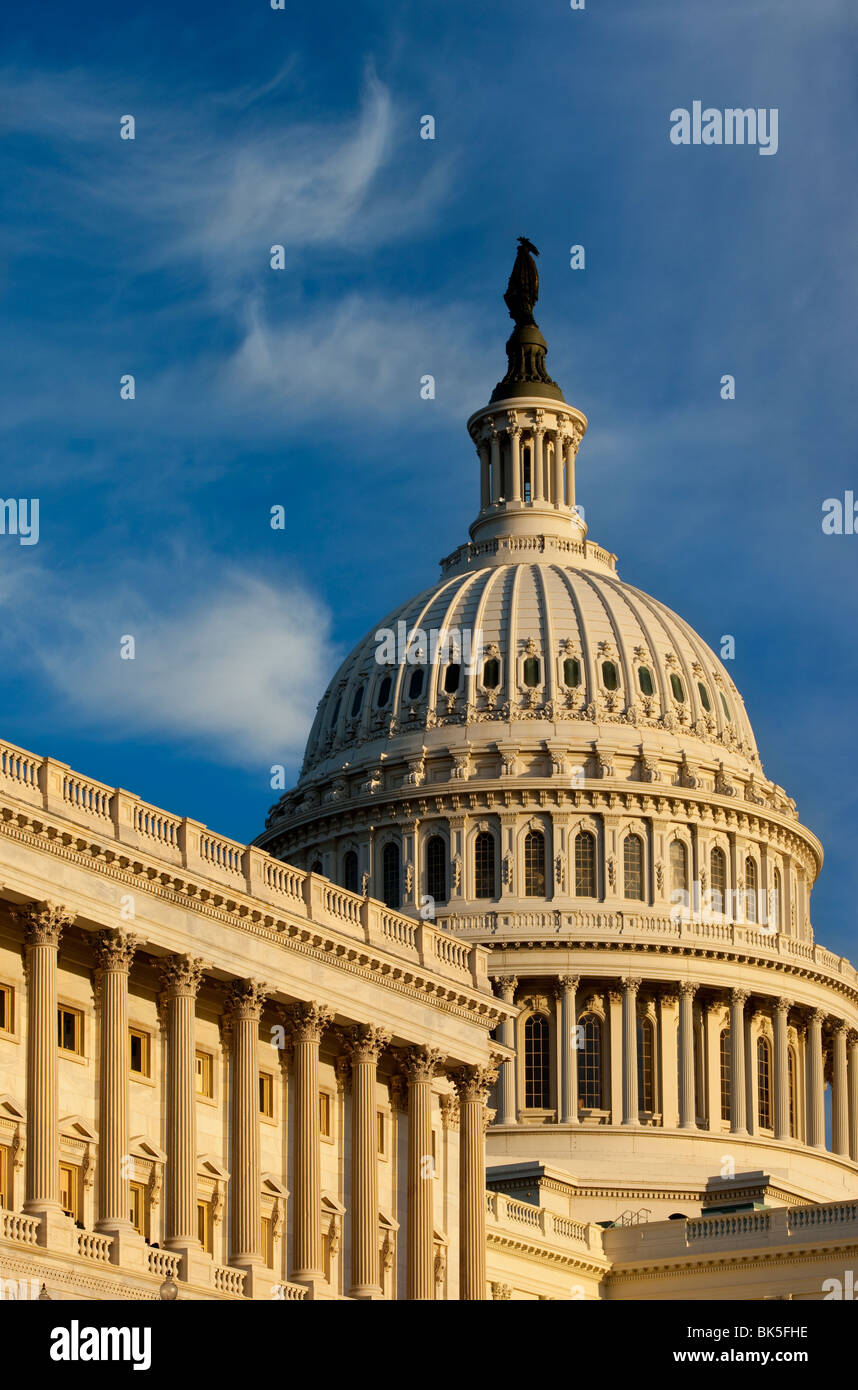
(726, 707)
(704, 696)
(415, 685)
(609, 675)
(357, 702)
(383, 693)
(677, 688)
(645, 680)
(572, 671)
(491, 673)
(336, 714)
(531, 671)
(451, 678)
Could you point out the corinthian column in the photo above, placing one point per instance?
(630, 1051)
(782, 1069)
(538, 482)
(508, 1112)
(181, 976)
(365, 1044)
(308, 1023)
(839, 1095)
(815, 1082)
(559, 446)
(738, 1093)
(472, 1085)
(420, 1066)
(244, 1010)
(687, 1099)
(514, 480)
(43, 926)
(114, 954)
(853, 1096)
(568, 1052)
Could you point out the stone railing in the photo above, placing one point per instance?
(740, 1224)
(229, 1281)
(163, 1263)
(830, 1216)
(289, 1293)
(111, 812)
(509, 1214)
(753, 1230)
(94, 1247)
(14, 1226)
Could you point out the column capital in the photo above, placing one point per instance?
(632, 983)
(840, 1029)
(688, 988)
(783, 1005)
(309, 1020)
(245, 999)
(114, 950)
(44, 922)
(570, 982)
(506, 984)
(181, 975)
(739, 996)
(474, 1082)
(365, 1042)
(421, 1063)
(818, 1016)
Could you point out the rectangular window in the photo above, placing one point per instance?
(205, 1226)
(204, 1074)
(138, 1047)
(69, 1030)
(266, 1093)
(5, 1195)
(382, 1144)
(325, 1114)
(268, 1241)
(70, 1190)
(7, 1016)
(138, 1208)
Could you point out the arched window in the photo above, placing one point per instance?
(764, 1079)
(383, 694)
(590, 1062)
(357, 701)
(645, 680)
(646, 1065)
(534, 864)
(537, 1063)
(791, 1075)
(484, 865)
(775, 912)
(350, 871)
(531, 671)
(718, 879)
(610, 676)
(415, 685)
(677, 687)
(491, 673)
(391, 890)
(572, 671)
(585, 864)
(436, 868)
(316, 867)
(633, 867)
(726, 1091)
(678, 866)
(451, 678)
(750, 889)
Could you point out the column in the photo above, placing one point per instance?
(712, 1015)
(507, 1098)
(669, 1074)
(630, 1050)
(43, 925)
(738, 1091)
(538, 488)
(308, 1022)
(781, 1061)
(559, 447)
(615, 1012)
(365, 1044)
(181, 976)
(515, 464)
(472, 1086)
(496, 468)
(687, 1105)
(840, 1095)
(853, 1096)
(568, 1051)
(114, 954)
(485, 476)
(420, 1066)
(244, 1009)
(815, 1081)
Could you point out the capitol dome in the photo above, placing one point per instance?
(544, 760)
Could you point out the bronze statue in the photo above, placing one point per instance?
(522, 291)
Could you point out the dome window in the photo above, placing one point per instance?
(572, 671)
(390, 876)
(451, 678)
(726, 707)
(677, 687)
(534, 864)
(350, 871)
(484, 865)
(383, 695)
(645, 681)
(357, 702)
(704, 696)
(491, 673)
(610, 676)
(531, 671)
(415, 685)
(336, 714)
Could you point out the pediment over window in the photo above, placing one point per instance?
(141, 1147)
(209, 1166)
(76, 1127)
(11, 1110)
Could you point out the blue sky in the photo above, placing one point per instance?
(255, 387)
